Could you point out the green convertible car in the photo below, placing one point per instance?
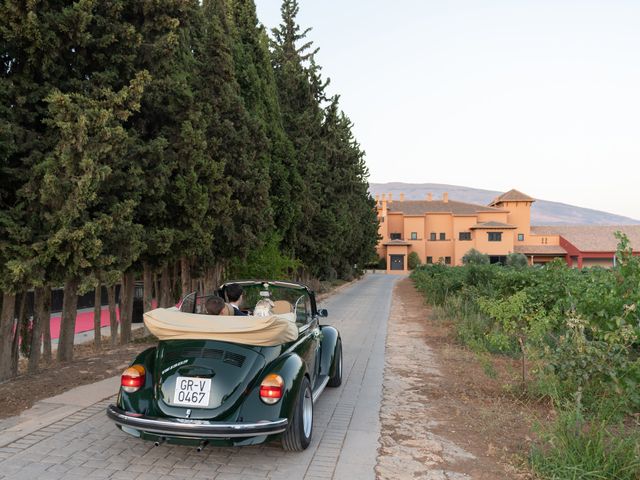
(232, 379)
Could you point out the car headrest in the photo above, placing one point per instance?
(281, 306)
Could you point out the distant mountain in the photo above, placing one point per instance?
(543, 212)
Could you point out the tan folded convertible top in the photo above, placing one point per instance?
(171, 324)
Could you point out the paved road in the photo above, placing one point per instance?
(86, 445)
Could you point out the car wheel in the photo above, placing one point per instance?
(336, 379)
(298, 436)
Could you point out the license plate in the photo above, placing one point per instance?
(192, 392)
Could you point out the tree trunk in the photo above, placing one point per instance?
(46, 323)
(97, 316)
(126, 306)
(209, 283)
(524, 357)
(185, 276)
(164, 288)
(218, 270)
(7, 320)
(68, 325)
(39, 319)
(156, 287)
(147, 278)
(113, 318)
(18, 332)
(174, 296)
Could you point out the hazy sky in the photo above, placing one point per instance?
(541, 96)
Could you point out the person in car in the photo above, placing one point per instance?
(214, 305)
(235, 295)
(263, 308)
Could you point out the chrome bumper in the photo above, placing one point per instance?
(180, 427)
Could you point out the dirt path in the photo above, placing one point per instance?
(442, 416)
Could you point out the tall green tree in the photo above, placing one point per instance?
(171, 150)
(300, 96)
(353, 230)
(73, 187)
(59, 59)
(236, 139)
(258, 88)
(338, 228)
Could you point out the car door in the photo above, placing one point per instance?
(309, 329)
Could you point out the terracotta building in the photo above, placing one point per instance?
(444, 230)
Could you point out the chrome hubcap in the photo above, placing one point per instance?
(307, 413)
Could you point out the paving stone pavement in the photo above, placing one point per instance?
(86, 445)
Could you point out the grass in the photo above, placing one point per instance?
(575, 449)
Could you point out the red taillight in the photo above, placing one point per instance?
(271, 389)
(132, 378)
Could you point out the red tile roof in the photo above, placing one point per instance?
(540, 249)
(593, 238)
(420, 207)
(482, 225)
(512, 196)
(396, 242)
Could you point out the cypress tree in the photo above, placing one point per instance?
(259, 91)
(76, 191)
(60, 60)
(301, 93)
(339, 227)
(356, 225)
(236, 140)
(171, 145)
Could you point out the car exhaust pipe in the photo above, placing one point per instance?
(203, 444)
(157, 443)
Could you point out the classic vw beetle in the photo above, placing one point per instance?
(232, 380)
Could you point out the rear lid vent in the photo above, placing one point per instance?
(234, 359)
(231, 358)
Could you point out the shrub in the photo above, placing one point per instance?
(474, 257)
(268, 261)
(582, 330)
(598, 369)
(382, 263)
(517, 260)
(413, 260)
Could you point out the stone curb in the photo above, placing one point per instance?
(54, 409)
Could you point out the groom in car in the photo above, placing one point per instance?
(234, 294)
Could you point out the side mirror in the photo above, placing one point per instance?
(323, 313)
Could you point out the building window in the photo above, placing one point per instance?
(429, 260)
(521, 237)
(395, 236)
(544, 240)
(495, 236)
(414, 235)
(447, 260)
(432, 236)
(442, 236)
(464, 236)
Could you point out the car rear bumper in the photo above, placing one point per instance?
(204, 429)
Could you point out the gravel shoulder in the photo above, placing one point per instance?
(442, 416)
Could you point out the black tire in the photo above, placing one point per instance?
(297, 437)
(336, 379)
